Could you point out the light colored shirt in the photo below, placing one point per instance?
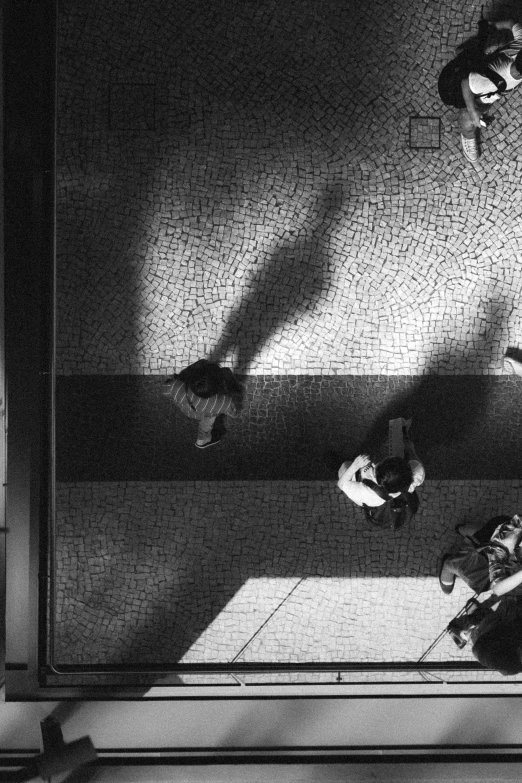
(481, 86)
(200, 407)
(363, 495)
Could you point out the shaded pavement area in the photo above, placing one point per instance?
(124, 428)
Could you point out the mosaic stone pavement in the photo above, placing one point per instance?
(267, 208)
(173, 571)
(124, 427)
(269, 185)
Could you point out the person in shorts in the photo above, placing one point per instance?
(492, 570)
(479, 92)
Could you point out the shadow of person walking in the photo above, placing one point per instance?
(283, 291)
(464, 425)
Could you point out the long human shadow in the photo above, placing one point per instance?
(177, 624)
(212, 566)
(293, 282)
(203, 557)
(210, 573)
(452, 420)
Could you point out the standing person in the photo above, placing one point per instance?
(495, 627)
(481, 90)
(478, 77)
(204, 391)
(371, 484)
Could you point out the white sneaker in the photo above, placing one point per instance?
(470, 148)
(512, 366)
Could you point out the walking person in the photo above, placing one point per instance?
(204, 391)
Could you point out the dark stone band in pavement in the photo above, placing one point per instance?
(124, 428)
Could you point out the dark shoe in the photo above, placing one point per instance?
(486, 120)
(211, 442)
(219, 428)
(445, 586)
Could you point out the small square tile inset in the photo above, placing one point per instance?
(131, 107)
(424, 133)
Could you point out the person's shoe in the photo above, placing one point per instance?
(446, 577)
(512, 366)
(206, 444)
(470, 148)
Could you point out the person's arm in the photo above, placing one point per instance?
(504, 586)
(359, 462)
(504, 24)
(233, 410)
(412, 457)
(357, 491)
(409, 448)
(469, 99)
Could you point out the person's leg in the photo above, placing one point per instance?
(469, 133)
(477, 532)
(466, 124)
(469, 565)
(468, 136)
(205, 430)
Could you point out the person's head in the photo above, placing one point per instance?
(495, 39)
(393, 474)
(500, 648)
(206, 381)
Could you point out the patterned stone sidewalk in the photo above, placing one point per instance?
(251, 193)
(239, 182)
(163, 572)
(124, 428)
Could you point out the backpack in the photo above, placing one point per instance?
(451, 76)
(395, 512)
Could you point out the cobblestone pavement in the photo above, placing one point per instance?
(191, 571)
(250, 192)
(275, 185)
(124, 427)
